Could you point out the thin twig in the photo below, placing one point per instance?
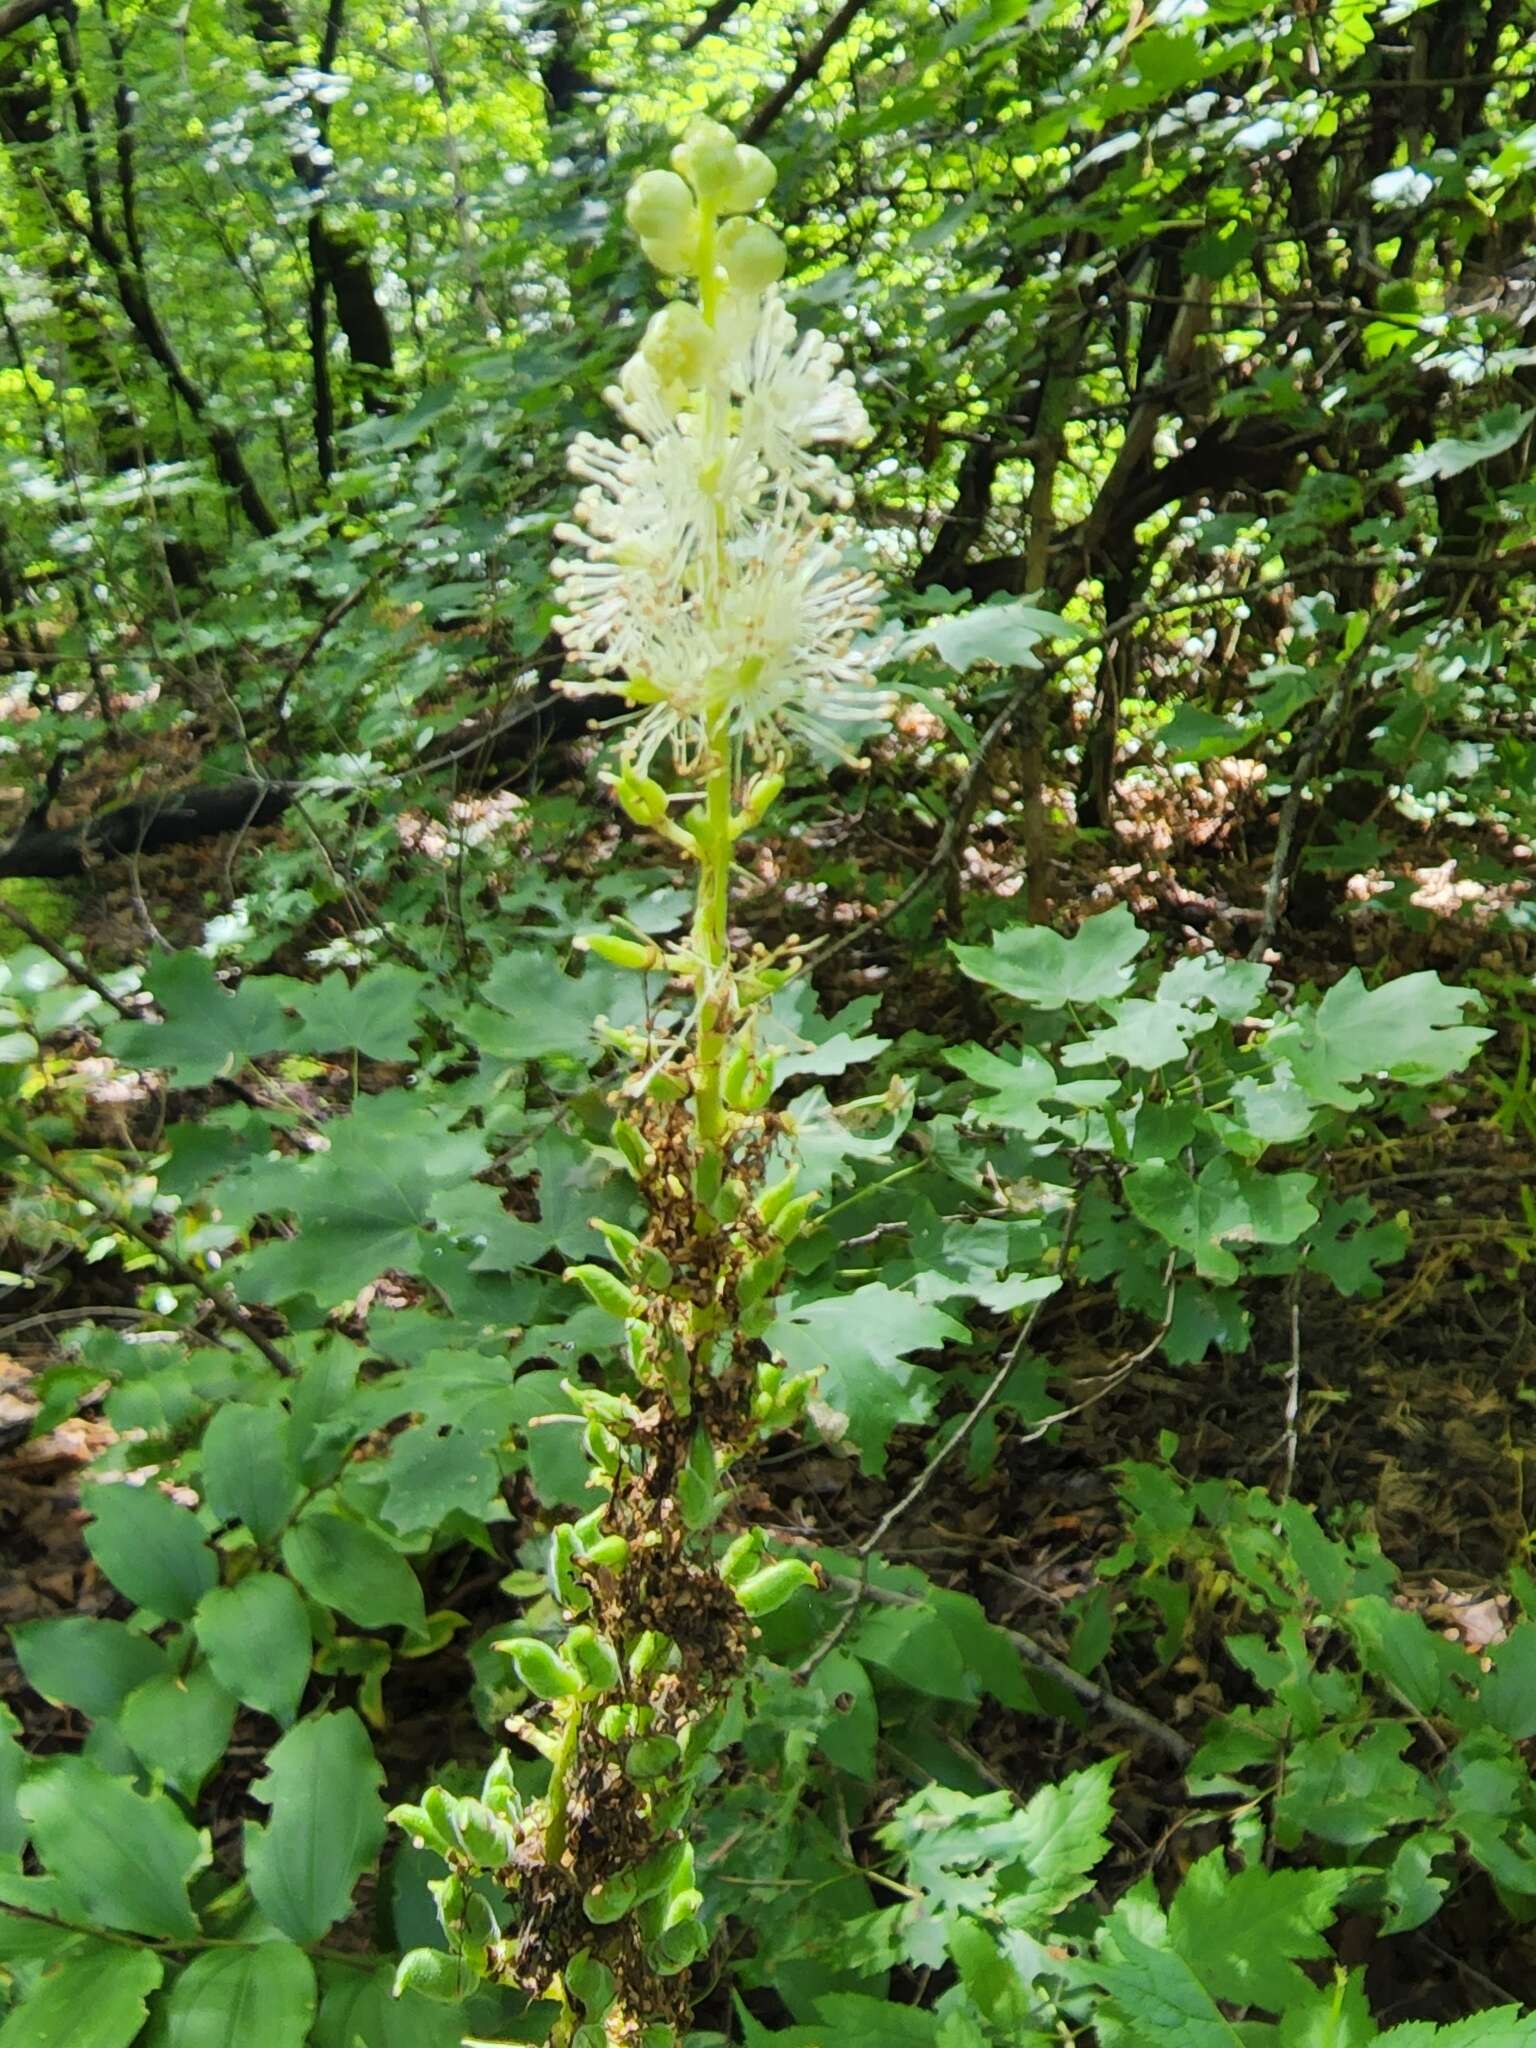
(75, 969)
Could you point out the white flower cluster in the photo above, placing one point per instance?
(704, 577)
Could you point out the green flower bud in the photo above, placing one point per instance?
(485, 1840)
(658, 204)
(679, 345)
(678, 1949)
(422, 1828)
(593, 1658)
(607, 1290)
(499, 1789)
(770, 1588)
(618, 1724)
(431, 1973)
(651, 1757)
(753, 255)
(706, 157)
(540, 1669)
(737, 1068)
(645, 801)
(759, 1277)
(672, 255)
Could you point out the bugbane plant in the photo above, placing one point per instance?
(706, 581)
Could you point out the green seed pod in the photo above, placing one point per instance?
(737, 1068)
(759, 1277)
(753, 255)
(567, 1588)
(653, 1269)
(637, 1155)
(657, 2037)
(499, 1788)
(658, 203)
(760, 1089)
(621, 952)
(667, 1087)
(431, 1974)
(678, 1948)
(740, 1559)
(668, 1870)
(707, 1176)
(764, 790)
(621, 1242)
(612, 1899)
(591, 1981)
(790, 1221)
(607, 1554)
(485, 1840)
(648, 1653)
(772, 1200)
(652, 1756)
(770, 1588)
(593, 1658)
(602, 1447)
(540, 1669)
(618, 1724)
(607, 1290)
(591, 2034)
(420, 1826)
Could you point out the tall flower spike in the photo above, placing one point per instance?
(705, 576)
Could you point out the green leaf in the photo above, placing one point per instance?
(1508, 1691)
(358, 2011)
(1397, 1646)
(1146, 1035)
(345, 1565)
(1061, 1839)
(249, 1473)
(1406, 1030)
(1503, 2026)
(1230, 1203)
(322, 1784)
(865, 1340)
(208, 1030)
(1243, 1934)
(1491, 436)
(1006, 634)
(362, 1205)
(1334, 2016)
(1155, 1993)
(378, 1013)
(1195, 734)
(256, 1638)
(1014, 1088)
(1040, 967)
(124, 1859)
(152, 1550)
(538, 1010)
(95, 1997)
(179, 1727)
(78, 1661)
(239, 1997)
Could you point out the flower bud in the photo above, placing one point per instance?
(789, 1222)
(706, 157)
(679, 345)
(773, 1199)
(672, 255)
(753, 255)
(741, 1557)
(659, 206)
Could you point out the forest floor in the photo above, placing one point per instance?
(1411, 1407)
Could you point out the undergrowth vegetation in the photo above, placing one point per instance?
(837, 1039)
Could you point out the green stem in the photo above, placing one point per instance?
(712, 941)
(559, 1795)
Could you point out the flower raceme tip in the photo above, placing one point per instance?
(706, 576)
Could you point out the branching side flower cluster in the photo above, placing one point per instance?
(706, 580)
